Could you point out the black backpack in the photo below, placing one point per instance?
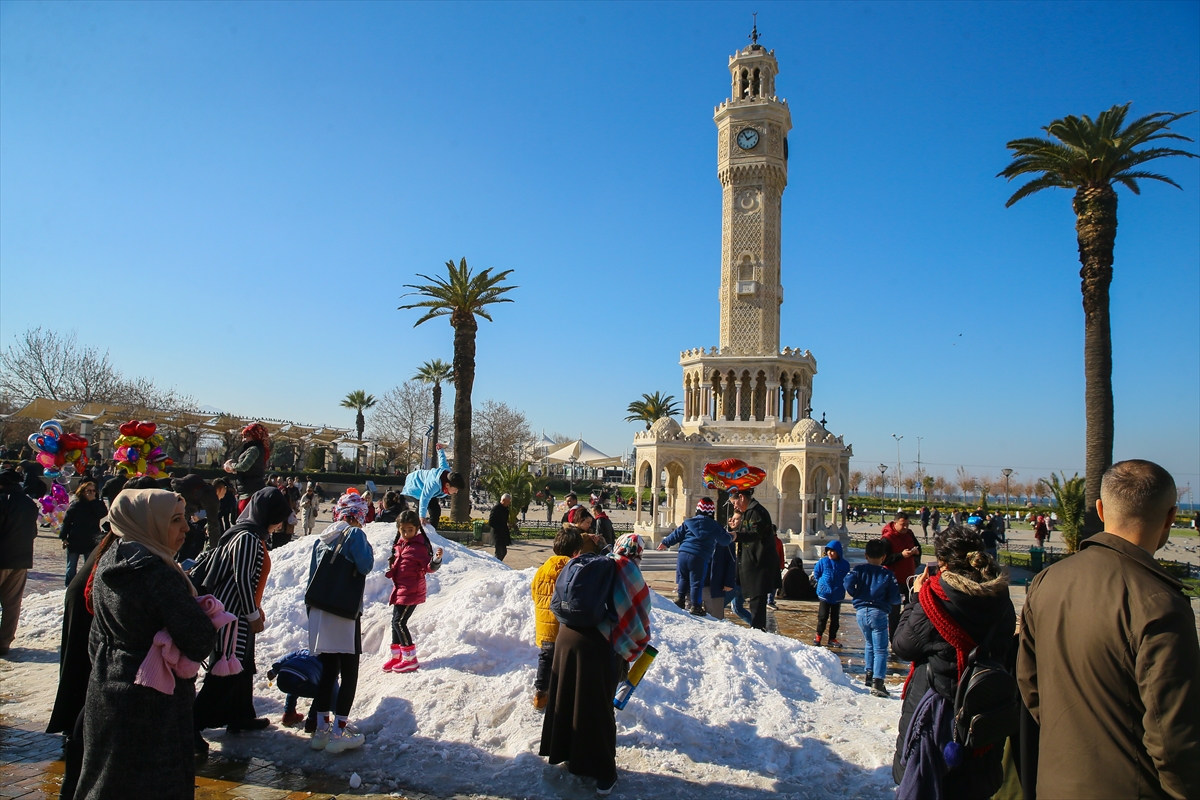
(987, 704)
(583, 591)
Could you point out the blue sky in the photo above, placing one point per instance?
(229, 197)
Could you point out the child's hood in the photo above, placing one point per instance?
(835, 546)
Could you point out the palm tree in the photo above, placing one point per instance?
(652, 407)
(512, 479)
(1091, 158)
(461, 296)
(1069, 494)
(359, 401)
(435, 373)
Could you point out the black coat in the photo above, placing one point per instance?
(498, 522)
(980, 610)
(74, 661)
(758, 561)
(81, 525)
(200, 495)
(138, 742)
(18, 528)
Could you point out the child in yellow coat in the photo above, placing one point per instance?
(566, 544)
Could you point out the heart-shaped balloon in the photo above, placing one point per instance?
(52, 428)
(49, 444)
(146, 429)
(129, 428)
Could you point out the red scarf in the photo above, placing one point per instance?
(933, 597)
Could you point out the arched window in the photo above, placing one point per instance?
(756, 85)
(744, 88)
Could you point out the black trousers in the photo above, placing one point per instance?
(333, 667)
(831, 613)
(400, 616)
(758, 611)
(501, 551)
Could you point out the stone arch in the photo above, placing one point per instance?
(816, 492)
(758, 408)
(793, 500)
(677, 493)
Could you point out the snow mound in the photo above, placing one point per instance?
(724, 711)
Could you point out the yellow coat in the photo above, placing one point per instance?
(543, 592)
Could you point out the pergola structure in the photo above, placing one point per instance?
(99, 422)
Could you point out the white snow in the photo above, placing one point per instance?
(724, 711)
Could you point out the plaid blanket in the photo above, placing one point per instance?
(630, 633)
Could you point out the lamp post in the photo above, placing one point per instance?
(571, 477)
(921, 475)
(882, 486)
(1007, 474)
(899, 497)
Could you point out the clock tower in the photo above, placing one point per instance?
(752, 129)
(749, 398)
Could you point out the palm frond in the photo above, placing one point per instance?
(1047, 181)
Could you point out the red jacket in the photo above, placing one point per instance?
(779, 551)
(411, 561)
(901, 566)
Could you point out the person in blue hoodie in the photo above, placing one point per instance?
(828, 576)
(697, 538)
(424, 485)
(874, 590)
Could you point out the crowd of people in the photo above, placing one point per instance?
(1102, 664)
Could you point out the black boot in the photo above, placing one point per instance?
(879, 690)
(867, 679)
(200, 746)
(680, 601)
(698, 611)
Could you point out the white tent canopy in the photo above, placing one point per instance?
(580, 452)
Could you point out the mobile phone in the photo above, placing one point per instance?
(930, 570)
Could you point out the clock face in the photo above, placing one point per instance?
(747, 138)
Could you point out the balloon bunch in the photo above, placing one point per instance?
(52, 507)
(732, 473)
(139, 450)
(59, 453)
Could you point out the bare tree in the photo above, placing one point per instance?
(965, 482)
(856, 480)
(499, 435)
(399, 419)
(42, 363)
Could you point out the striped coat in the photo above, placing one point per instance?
(236, 576)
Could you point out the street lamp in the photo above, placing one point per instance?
(571, 477)
(1007, 474)
(899, 498)
(882, 486)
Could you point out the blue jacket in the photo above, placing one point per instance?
(699, 535)
(830, 574)
(873, 586)
(722, 570)
(425, 484)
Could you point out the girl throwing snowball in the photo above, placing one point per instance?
(412, 558)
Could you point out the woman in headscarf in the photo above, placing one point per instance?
(336, 640)
(250, 468)
(580, 727)
(236, 574)
(137, 739)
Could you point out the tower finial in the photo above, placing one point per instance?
(754, 30)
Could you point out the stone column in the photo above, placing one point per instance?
(637, 489)
(805, 530)
(772, 408)
(654, 500)
(737, 397)
(706, 412)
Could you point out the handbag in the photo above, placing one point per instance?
(337, 585)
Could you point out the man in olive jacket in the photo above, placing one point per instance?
(759, 570)
(1109, 664)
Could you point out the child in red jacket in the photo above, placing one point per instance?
(412, 558)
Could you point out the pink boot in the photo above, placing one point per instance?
(396, 659)
(409, 664)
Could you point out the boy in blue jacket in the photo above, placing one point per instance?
(875, 591)
(697, 538)
(828, 576)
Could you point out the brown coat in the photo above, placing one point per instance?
(1109, 666)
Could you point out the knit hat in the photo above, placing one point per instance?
(706, 507)
(629, 545)
(350, 504)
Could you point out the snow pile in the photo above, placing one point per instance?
(724, 711)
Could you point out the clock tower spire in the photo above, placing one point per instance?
(752, 128)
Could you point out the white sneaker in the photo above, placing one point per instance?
(320, 739)
(344, 739)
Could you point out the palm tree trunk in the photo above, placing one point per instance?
(1096, 230)
(464, 380)
(437, 422)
